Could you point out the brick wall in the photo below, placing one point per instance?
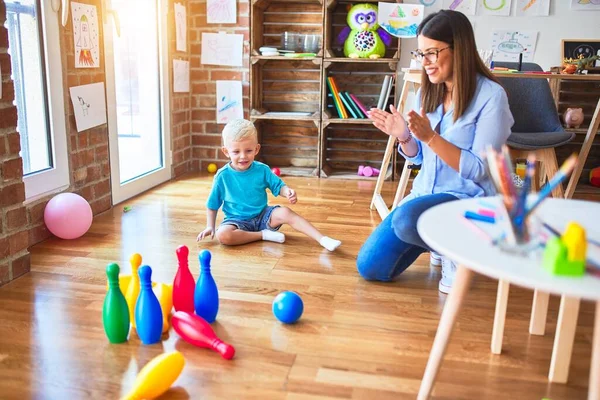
(206, 139)
(181, 138)
(14, 239)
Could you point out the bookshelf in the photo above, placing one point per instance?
(299, 128)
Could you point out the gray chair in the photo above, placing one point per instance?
(537, 125)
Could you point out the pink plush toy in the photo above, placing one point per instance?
(573, 117)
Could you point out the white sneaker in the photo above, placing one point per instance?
(435, 259)
(448, 273)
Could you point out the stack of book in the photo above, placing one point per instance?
(348, 105)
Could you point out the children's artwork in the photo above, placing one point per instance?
(220, 12)
(181, 76)
(533, 8)
(584, 5)
(180, 27)
(430, 6)
(467, 7)
(400, 20)
(89, 105)
(229, 101)
(507, 45)
(85, 35)
(495, 7)
(222, 49)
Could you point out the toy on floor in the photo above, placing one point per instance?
(212, 168)
(197, 331)
(164, 294)
(115, 313)
(363, 38)
(288, 307)
(276, 171)
(157, 376)
(566, 255)
(206, 295)
(127, 209)
(68, 215)
(184, 283)
(367, 171)
(133, 290)
(595, 177)
(148, 314)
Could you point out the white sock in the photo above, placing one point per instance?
(329, 243)
(273, 236)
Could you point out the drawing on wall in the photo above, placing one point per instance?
(495, 7)
(181, 76)
(583, 5)
(507, 45)
(222, 49)
(220, 12)
(180, 27)
(533, 8)
(400, 20)
(430, 6)
(467, 7)
(229, 101)
(89, 105)
(85, 35)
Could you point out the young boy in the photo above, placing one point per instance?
(240, 188)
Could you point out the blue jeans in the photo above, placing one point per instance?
(395, 244)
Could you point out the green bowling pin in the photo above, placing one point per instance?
(115, 313)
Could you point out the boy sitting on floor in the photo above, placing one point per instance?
(240, 188)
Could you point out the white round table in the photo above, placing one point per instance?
(444, 229)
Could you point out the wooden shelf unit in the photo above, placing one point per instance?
(318, 143)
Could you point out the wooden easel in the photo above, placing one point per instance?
(412, 80)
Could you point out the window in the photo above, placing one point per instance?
(33, 35)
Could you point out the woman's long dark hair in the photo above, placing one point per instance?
(454, 28)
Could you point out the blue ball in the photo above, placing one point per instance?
(288, 307)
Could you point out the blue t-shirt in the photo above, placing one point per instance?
(242, 193)
(485, 122)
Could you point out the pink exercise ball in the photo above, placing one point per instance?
(68, 215)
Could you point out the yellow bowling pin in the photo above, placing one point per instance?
(164, 294)
(133, 290)
(157, 376)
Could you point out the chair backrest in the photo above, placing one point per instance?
(530, 101)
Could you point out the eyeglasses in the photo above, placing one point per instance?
(431, 56)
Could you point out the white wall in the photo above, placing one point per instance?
(562, 23)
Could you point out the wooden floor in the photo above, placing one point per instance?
(356, 339)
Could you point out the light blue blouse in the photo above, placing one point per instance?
(487, 121)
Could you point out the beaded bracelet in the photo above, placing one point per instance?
(405, 141)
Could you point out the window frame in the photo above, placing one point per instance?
(55, 178)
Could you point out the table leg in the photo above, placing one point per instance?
(539, 312)
(594, 385)
(500, 316)
(449, 314)
(563, 342)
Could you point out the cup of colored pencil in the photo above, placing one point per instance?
(518, 207)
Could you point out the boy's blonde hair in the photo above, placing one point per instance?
(237, 130)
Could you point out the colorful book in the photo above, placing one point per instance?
(353, 106)
(335, 101)
(348, 107)
(360, 105)
(336, 95)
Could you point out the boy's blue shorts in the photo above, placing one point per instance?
(256, 224)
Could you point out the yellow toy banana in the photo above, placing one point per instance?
(157, 376)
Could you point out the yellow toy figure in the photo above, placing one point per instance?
(566, 255)
(133, 290)
(157, 376)
(164, 294)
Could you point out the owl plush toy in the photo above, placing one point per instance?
(364, 38)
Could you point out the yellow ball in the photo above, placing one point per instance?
(212, 168)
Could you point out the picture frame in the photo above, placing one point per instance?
(571, 48)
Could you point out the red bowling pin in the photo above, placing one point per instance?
(184, 284)
(197, 331)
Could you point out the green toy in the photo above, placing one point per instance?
(115, 313)
(556, 259)
(364, 38)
